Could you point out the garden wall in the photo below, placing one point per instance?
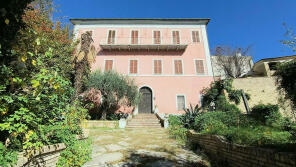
(99, 124)
(47, 156)
(233, 155)
(262, 90)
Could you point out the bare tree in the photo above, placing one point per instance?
(233, 62)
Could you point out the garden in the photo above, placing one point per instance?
(46, 87)
(264, 126)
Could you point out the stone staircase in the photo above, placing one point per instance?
(144, 121)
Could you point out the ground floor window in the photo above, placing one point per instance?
(180, 102)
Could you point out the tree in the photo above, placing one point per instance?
(116, 90)
(291, 38)
(234, 62)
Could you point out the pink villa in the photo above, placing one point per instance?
(169, 59)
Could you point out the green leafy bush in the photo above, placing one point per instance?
(259, 136)
(244, 129)
(191, 113)
(266, 114)
(7, 156)
(76, 154)
(116, 89)
(36, 88)
(212, 121)
(214, 98)
(176, 128)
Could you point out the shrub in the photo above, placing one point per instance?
(266, 114)
(76, 154)
(7, 156)
(116, 90)
(243, 129)
(214, 98)
(36, 88)
(211, 121)
(176, 128)
(188, 118)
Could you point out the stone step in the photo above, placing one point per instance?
(145, 118)
(144, 121)
(143, 127)
(150, 115)
(144, 124)
(135, 120)
(136, 124)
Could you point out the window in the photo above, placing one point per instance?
(156, 37)
(199, 65)
(180, 102)
(111, 37)
(195, 36)
(135, 37)
(178, 67)
(272, 65)
(176, 37)
(133, 67)
(108, 65)
(157, 66)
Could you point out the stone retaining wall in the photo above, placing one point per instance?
(99, 124)
(47, 156)
(262, 90)
(233, 155)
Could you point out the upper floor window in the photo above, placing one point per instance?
(157, 66)
(156, 37)
(199, 66)
(133, 66)
(180, 102)
(108, 65)
(135, 37)
(111, 37)
(195, 37)
(178, 66)
(176, 37)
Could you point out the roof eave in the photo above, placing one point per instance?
(191, 21)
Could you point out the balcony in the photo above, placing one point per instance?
(146, 44)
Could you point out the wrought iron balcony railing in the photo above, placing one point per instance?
(144, 44)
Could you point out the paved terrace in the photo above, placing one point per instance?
(140, 148)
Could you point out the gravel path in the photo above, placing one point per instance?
(140, 148)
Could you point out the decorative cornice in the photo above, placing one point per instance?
(166, 21)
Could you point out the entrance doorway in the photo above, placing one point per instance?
(145, 105)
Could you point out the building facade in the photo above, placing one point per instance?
(169, 59)
(267, 67)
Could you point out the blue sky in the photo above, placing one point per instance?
(237, 23)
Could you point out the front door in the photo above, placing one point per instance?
(145, 105)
